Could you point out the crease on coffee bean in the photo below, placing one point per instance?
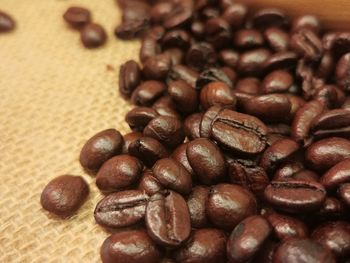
(117, 207)
(289, 185)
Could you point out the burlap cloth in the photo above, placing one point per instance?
(54, 95)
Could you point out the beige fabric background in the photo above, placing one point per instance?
(54, 95)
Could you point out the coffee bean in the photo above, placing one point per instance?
(329, 96)
(212, 75)
(116, 248)
(64, 195)
(184, 96)
(196, 205)
(281, 60)
(288, 170)
(160, 11)
(177, 56)
(121, 209)
(307, 21)
(7, 23)
(277, 81)
(149, 184)
(99, 148)
(337, 175)
(342, 72)
(149, 48)
(248, 38)
(157, 67)
(148, 150)
(201, 55)
(131, 29)
(128, 139)
(180, 155)
(255, 229)
(192, 126)
(129, 77)
(217, 94)
(204, 245)
(218, 32)
(172, 175)
(167, 219)
(136, 10)
(93, 35)
(248, 85)
(229, 57)
(338, 43)
(148, 92)
(164, 106)
(229, 204)
(118, 173)
(235, 15)
(183, 72)
(207, 120)
(181, 15)
(277, 39)
(239, 132)
(279, 128)
(326, 153)
(302, 250)
(270, 17)
(167, 130)
(139, 117)
(295, 196)
(306, 43)
(253, 62)
(176, 38)
(77, 17)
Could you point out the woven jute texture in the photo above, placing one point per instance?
(54, 95)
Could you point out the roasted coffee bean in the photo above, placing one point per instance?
(160, 11)
(334, 235)
(131, 29)
(295, 196)
(248, 38)
(121, 209)
(148, 92)
(326, 153)
(99, 148)
(256, 229)
(196, 205)
(139, 117)
(179, 16)
(136, 10)
(217, 94)
(306, 21)
(253, 62)
(209, 13)
(148, 150)
(204, 246)
(207, 160)
(277, 153)
(218, 32)
(184, 96)
(180, 155)
(277, 81)
(296, 103)
(64, 195)
(207, 120)
(338, 43)
(164, 110)
(306, 175)
(201, 55)
(149, 48)
(157, 67)
(344, 193)
(337, 175)
(329, 96)
(247, 174)
(129, 77)
(167, 130)
(229, 57)
(285, 227)
(117, 248)
(118, 173)
(277, 39)
(306, 43)
(248, 85)
(93, 36)
(149, 184)
(239, 132)
(303, 120)
(129, 138)
(172, 175)
(270, 17)
(183, 72)
(176, 38)
(302, 250)
(288, 170)
(7, 23)
(192, 126)
(342, 72)
(168, 219)
(212, 75)
(229, 204)
(272, 108)
(235, 15)
(77, 17)
(281, 60)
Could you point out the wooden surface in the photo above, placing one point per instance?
(335, 14)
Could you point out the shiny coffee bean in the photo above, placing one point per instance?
(229, 57)
(342, 72)
(281, 60)
(139, 117)
(270, 17)
(306, 43)
(213, 75)
(344, 193)
(129, 77)
(196, 203)
(160, 11)
(329, 95)
(277, 81)
(119, 173)
(178, 17)
(129, 138)
(121, 209)
(136, 10)
(288, 170)
(117, 248)
(207, 121)
(180, 155)
(277, 39)
(198, 29)
(131, 29)
(279, 128)
(64, 195)
(99, 148)
(177, 56)
(77, 17)
(253, 62)
(247, 238)
(168, 219)
(184, 73)
(93, 36)
(306, 21)
(265, 254)
(218, 32)
(148, 92)
(176, 38)
(201, 55)
(295, 196)
(192, 125)
(331, 208)
(217, 94)
(248, 38)
(229, 204)
(235, 15)
(204, 246)
(172, 175)
(157, 67)
(248, 85)
(149, 184)
(149, 48)
(184, 96)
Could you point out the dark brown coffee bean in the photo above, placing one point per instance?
(281, 60)
(255, 229)
(272, 108)
(129, 138)
(337, 175)
(201, 55)
(239, 132)
(196, 204)
(149, 48)
(306, 175)
(248, 38)
(192, 126)
(235, 15)
(64, 195)
(168, 219)
(204, 246)
(99, 148)
(117, 248)
(176, 38)
(139, 117)
(148, 150)
(285, 227)
(172, 175)
(77, 17)
(180, 155)
(93, 36)
(121, 209)
(288, 170)
(164, 106)
(248, 85)
(218, 32)
(277, 39)
(157, 67)
(167, 130)
(212, 75)
(209, 13)
(148, 92)
(199, 151)
(253, 62)
(295, 196)
(302, 250)
(217, 94)
(303, 120)
(334, 235)
(229, 58)
(184, 96)
(183, 72)
(342, 72)
(118, 173)
(160, 11)
(326, 66)
(136, 10)
(277, 153)
(131, 29)
(329, 95)
(7, 23)
(207, 121)
(277, 81)
(149, 184)
(306, 43)
(180, 16)
(270, 17)
(326, 153)
(129, 77)
(306, 21)
(344, 193)
(229, 204)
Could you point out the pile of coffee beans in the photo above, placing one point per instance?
(240, 141)
(7, 23)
